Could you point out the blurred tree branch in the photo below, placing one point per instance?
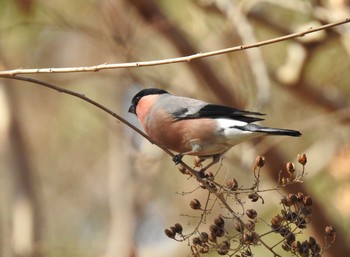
(27, 209)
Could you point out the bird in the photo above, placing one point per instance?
(193, 127)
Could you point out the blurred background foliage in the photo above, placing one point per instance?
(74, 182)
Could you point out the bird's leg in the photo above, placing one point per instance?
(197, 161)
(216, 159)
(195, 147)
(178, 158)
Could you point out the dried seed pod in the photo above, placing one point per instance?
(251, 213)
(316, 249)
(259, 162)
(204, 237)
(290, 167)
(293, 198)
(302, 159)
(330, 230)
(284, 231)
(306, 211)
(276, 221)
(195, 204)
(303, 248)
(232, 184)
(169, 233)
(254, 197)
(224, 248)
(196, 241)
(216, 231)
(219, 221)
(225, 244)
(290, 238)
(247, 238)
(312, 241)
(178, 228)
(307, 201)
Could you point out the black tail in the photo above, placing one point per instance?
(270, 131)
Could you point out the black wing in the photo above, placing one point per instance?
(220, 111)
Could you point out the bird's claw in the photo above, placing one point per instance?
(177, 158)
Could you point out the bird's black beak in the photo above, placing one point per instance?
(132, 109)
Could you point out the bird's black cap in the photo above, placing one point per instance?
(148, 91)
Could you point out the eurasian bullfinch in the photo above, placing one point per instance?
(193, 127)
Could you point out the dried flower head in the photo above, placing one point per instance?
(232, 184)
(216, 231)
(276, 221)
(204, 237)
(259, 162)
(169, 233)
(250, 238)
(290, 238)
(302, 159)
(195, 204)
(330, 230)
(293, 198)
(178, 228)
(196, 241)
(251, 213)
(307, 201)
(254, 197)
(290, 167)
(224, 247)
(219, 221)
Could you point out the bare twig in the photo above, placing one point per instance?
(188, 58)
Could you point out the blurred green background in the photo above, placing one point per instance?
(74, 182)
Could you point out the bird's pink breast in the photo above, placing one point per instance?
(181, 135)
(144, 107)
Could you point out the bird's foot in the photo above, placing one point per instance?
(216, 159)
(177, 158)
